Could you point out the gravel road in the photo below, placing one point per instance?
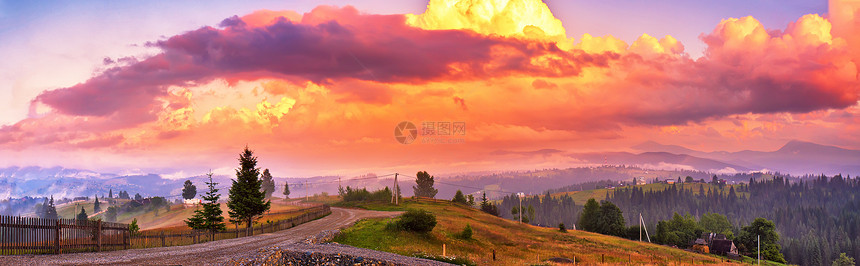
(209, 253)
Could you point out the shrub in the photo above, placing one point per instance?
(452, 260)
(362, 194)
(561, 228)
(466, 233)
(133, 229)
(417, 221)
(460, 198)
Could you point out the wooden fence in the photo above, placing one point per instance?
(163, 239)
(24, 235)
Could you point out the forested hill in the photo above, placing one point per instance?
(817, 218)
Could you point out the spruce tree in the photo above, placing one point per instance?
(82, 216)
(268, 183)
(246, 201)
(589, 216)
(97, 206)
(110, 193)
(51, 210)
(209, 216)
(424, 186)
(286, 190)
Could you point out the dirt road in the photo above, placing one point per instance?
(209, 253)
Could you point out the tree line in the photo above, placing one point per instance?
(817, 218)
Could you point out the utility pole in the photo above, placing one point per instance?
(642, 226)
(520, 211)
(758, 253)
(394, 191)
(306, 191)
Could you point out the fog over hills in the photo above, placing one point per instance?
(666, 161)
(795, 158)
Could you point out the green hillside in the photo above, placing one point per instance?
(514, 243)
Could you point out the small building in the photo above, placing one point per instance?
(723, 247)
(190, 202)
(639, 181)
(670, 181)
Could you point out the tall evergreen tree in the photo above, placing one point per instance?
(97, 207)
(82, 216)
(51, 210)
(110, 193)
(488, 207)
(189, 190)
(286, 190)
(208, 217)
(246, 201)
(268, 183)
(588, 218)
(424, 186)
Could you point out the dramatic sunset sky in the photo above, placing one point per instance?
(317, 87)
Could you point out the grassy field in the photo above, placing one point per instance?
(513, 243)
(580, 197)
(148, 219)
(69, 211)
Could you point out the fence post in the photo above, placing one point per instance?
(100, 235)
(57, 238)
(162, 238)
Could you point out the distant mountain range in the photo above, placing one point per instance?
(795, 158)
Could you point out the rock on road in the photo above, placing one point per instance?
(209, 253)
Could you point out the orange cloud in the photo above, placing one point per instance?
(326, 88)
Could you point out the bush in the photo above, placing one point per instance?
(362, 194)
(460, 198)
(452, 260)
(466, 233)
(417, 221)
(133, 229)
(561, 228)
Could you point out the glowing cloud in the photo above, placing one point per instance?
(325, 87)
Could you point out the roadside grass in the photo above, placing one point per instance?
(513, 243)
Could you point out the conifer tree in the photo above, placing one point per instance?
(246, 201)
(286, 190)
(97, 206)
(51, 210)
(424, 186)
(268, 185)
(459, 198)
(208, 217)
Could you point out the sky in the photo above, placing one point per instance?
(320, 87)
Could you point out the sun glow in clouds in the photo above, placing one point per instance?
(319, 92)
